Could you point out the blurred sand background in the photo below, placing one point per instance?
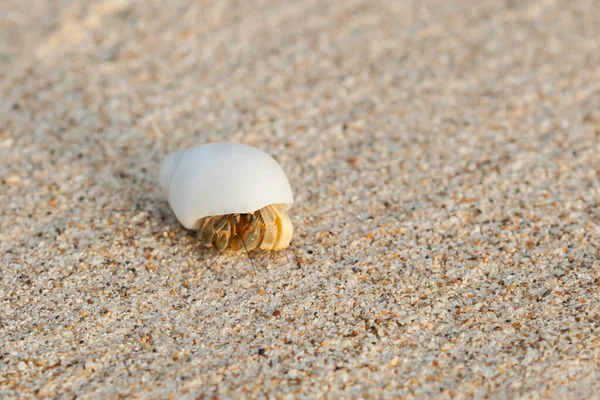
(445, 159)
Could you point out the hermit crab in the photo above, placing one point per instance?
(234, 195)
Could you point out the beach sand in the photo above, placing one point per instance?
(445, 161)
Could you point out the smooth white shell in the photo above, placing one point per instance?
(222, 178)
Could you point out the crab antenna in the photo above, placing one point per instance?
(217, 259)
(248, 253)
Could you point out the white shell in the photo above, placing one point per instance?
(222, 178)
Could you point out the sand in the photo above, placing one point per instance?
(445, 160)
